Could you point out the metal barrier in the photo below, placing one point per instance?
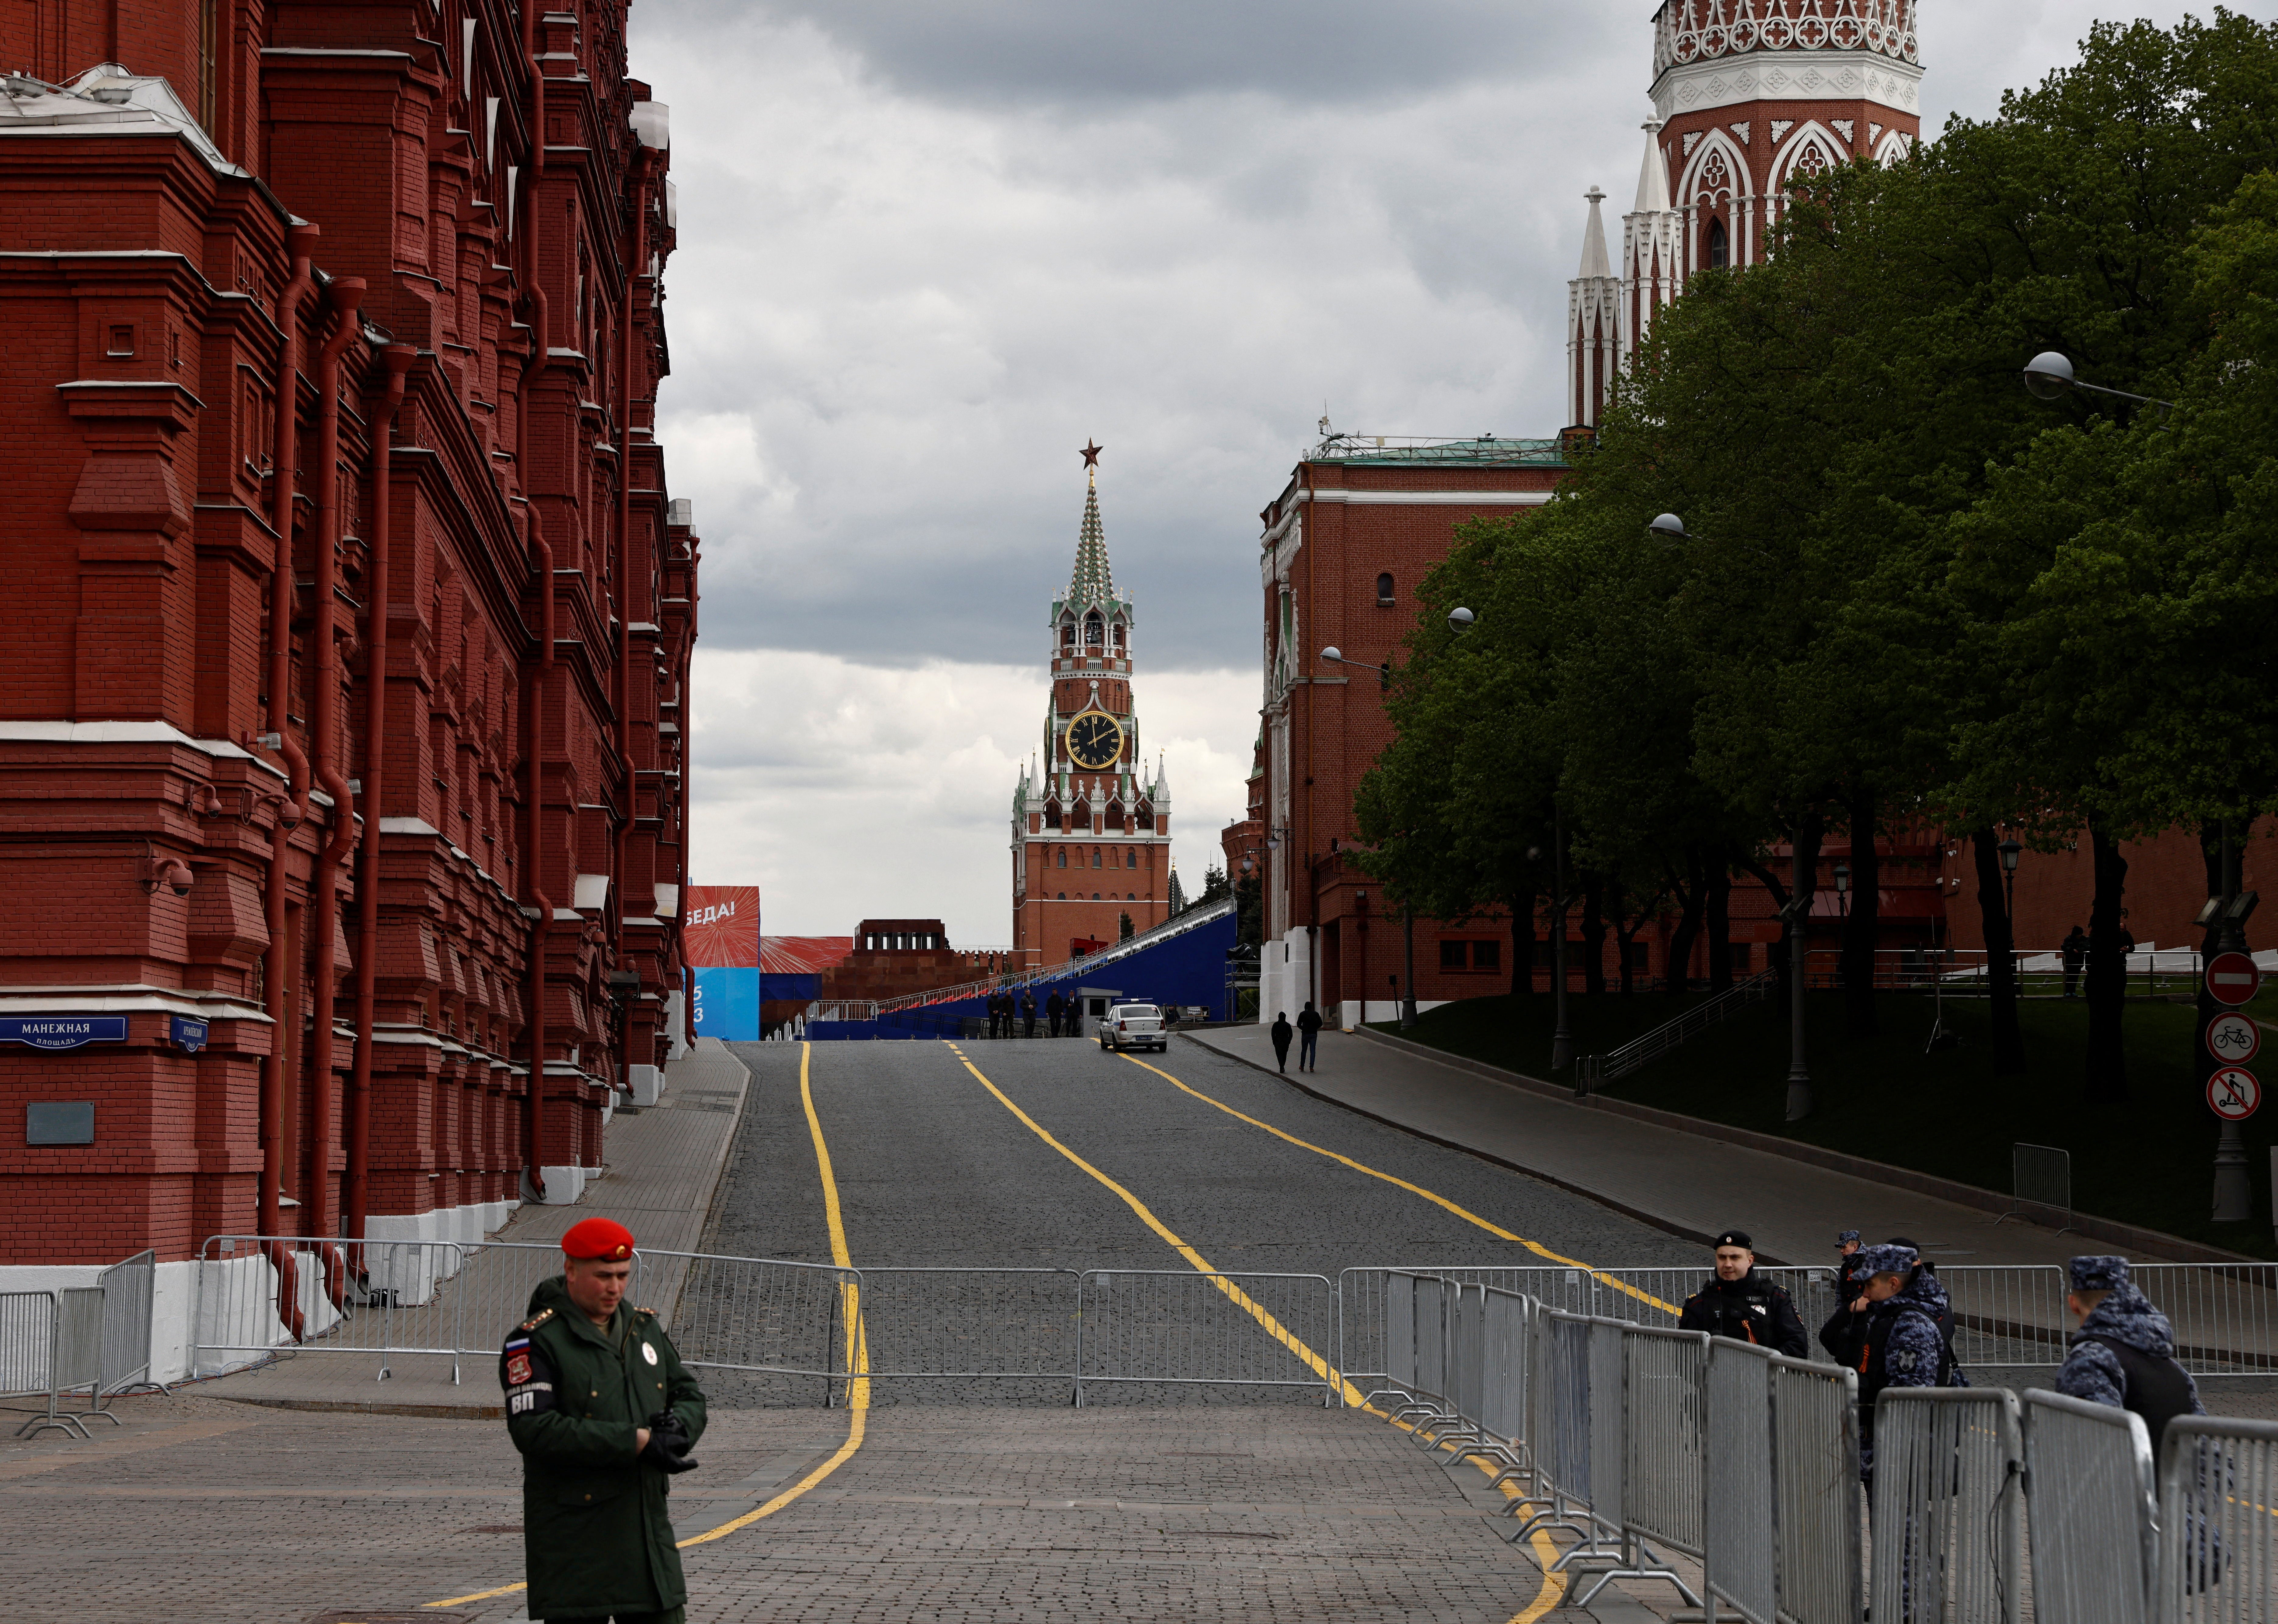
(974, 1323)
(1948, 1507)
(762, 1316)
(2040, 1176)
(1740, 1519)
(1665, 1432)
(2219, 1521)
(29, 1324)
(128, 1289)
(2225, 1315)
(1180, 1328)
(2093, 1512)
(1815, 1472)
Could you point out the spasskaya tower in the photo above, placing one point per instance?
(1092, 835)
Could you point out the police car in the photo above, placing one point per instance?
(1133, 1026)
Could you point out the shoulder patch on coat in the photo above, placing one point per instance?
(540, 1318)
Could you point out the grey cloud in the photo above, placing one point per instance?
(1075, 56)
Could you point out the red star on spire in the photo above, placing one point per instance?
(1091, 452)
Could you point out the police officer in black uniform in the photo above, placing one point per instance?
(1739, 1304)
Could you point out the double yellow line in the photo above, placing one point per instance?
(1553, 1584)
(858, 1357)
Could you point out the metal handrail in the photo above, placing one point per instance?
(1652, 1046)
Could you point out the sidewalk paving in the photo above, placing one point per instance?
(663, 1163)
(1688, 1184)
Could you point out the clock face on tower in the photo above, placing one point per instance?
(1094, 740)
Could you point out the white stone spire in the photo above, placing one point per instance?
(1594, 262)
(1653, 178)
(1652, 235)
(1592, 325)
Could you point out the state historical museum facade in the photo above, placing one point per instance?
(341, 745)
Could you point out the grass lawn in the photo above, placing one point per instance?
(2148, 1161)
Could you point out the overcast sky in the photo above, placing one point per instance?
(929, 248)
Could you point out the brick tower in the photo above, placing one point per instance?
(1091, 827)
(1749, 96)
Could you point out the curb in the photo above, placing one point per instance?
(1952, 1190)
(346, 1407)
(1668, 1226)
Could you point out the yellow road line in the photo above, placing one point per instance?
(1554, 1585)
(858, 1358)
(1437, 1200)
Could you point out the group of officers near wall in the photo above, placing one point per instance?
(1894, 1324)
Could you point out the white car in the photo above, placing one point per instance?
(1133, 1026)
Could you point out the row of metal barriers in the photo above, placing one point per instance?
(91, 1341)
(1637, 1442)
(257, 1294)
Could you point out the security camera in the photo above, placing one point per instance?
(170, 873)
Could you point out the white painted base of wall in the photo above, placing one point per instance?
(1356, 1012)
(647, 1084)
(1285, 976)
(563, 1186)
(676, 1025)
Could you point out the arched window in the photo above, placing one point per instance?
(1052, 814)
(1061, 897)
(1115, 633)
(1063, 856)
(1094, 628)
(1131, 857)
(1719, 247)
(1068, 633)
(1095, 856)
(1384, 588)
(1130, 897)
(1095, 896)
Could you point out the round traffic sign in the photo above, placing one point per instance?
(2233, 1094)
(2233, 1039)
(2232, 979)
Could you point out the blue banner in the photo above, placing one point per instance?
(62, 1031)
(726, 1003)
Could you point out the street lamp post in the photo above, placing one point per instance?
(1562, 1040)
(2049, 374)
(2009, 849)
(1407, 967)
(2234, 1178)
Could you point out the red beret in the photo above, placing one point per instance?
(598, 1238)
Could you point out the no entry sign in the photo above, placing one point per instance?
(2233, 1039)
(2232, 979)
(2233, 1093)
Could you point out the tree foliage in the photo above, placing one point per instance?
(1912, 596)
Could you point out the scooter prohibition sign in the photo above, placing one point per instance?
(2233, 1093)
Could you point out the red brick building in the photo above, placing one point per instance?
(341, 756)
(1092, 823)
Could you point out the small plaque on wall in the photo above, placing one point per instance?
(59, 1122)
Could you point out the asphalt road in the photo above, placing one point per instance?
(935, 1171)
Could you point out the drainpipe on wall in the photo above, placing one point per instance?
(533, 740)
(638, 175)
(345, 295)
(300, 241)
(356, 1193)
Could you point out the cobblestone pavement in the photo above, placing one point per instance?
(203, 1509)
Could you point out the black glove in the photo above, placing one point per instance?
(668, 1444)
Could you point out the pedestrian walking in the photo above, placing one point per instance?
(604, 1414)
(1282, 1031)
(1028, 1012)
(1309, 1029)
(1053, 1005)
(1740, 1304)
(2123, 1353)
(2074, 951)
(1903, 1345)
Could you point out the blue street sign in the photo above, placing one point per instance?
(186, 1032)
(62, 1031)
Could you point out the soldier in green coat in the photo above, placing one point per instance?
(604, 1415)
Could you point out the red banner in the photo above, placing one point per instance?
(721, 928)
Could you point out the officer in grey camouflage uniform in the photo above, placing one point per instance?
(2124, 1353)
(1901, 1345)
